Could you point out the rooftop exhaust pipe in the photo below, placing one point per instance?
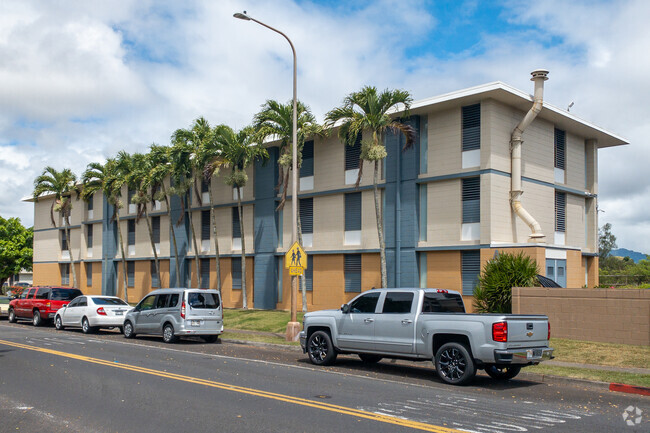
(538, 76)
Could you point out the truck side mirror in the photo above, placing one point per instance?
(345, 308)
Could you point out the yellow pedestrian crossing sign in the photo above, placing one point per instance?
(295, 257)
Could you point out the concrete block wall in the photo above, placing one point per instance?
(605, 315)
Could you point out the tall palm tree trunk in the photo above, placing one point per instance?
(196, 248)
(380, 228)
(213, 218)
(67, 236)
(171, 227)
(126, 281)
(243, 248)
(153, 246)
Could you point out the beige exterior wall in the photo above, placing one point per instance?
(606, 315)
(444, 156)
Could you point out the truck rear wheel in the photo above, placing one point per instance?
(320, 348)
(454, 364)
(502, 372)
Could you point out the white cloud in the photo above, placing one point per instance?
(82, 80)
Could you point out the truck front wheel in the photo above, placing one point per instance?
(454, 364)
(320, 348)
(502, 372)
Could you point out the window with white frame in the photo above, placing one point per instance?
(307, 167)
(471, 198)
(560, 217)
(306, 206)
(471, 136)
(352, 156)
(560, 155)
(236, 229)
(352, 211)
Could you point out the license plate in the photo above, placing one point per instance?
(196, 323)
(119, 313)
(533, 353)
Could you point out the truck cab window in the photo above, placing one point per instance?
(365, 304)
(398, 302)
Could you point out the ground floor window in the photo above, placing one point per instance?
(556, 271)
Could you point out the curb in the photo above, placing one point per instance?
(630, 389)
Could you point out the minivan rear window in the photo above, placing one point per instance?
(443, 303)
(64, 294)
(203, 300)
(109, 301)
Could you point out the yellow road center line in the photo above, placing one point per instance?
(250, 391)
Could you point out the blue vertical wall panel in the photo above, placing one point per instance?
(266, 239)
(109, 248)
(182, 241)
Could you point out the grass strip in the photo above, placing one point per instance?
(591, 352)
(590, 374)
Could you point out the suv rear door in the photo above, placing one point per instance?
(203, 311)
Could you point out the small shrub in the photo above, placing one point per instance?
(494, 291)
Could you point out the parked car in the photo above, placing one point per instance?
(4, 306)
(91, 313)
(40, 304)
(177, 312)
(427, 324)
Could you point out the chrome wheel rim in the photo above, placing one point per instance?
(452, 364)
(168, 333)
(128, 329)
(85, 326)
(318, 348)
(11, 315)
(37, 318)
(58, 323)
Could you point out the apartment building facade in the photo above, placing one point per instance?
(446, 204)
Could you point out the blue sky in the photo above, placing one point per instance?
(83, 79)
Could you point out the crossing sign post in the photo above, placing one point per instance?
(295, 260)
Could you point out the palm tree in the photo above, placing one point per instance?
(161, 168)
(109, 179)
(367, 110)
(275, 121)
(62, 184)
(139, 178)
(240, 151)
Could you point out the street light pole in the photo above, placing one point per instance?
(293, 327)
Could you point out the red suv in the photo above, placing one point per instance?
(40, 303)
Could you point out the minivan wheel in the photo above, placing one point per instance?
(37, 321)
(210, 338)
(58, 324)
(502, 372)
(128, 330)
(320, 348)
(12, 316)
(454, 364)
(168, 333)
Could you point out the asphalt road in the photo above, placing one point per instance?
(55, 381)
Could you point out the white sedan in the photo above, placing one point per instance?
(92, 312)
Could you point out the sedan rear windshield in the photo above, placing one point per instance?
(203, 300)
(64, 294)
(109, 301)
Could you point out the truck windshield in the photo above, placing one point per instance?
(442, 303)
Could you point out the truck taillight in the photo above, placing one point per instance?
(549, 331)
(101, 311)
(500, 332)
(442, 291)
(183, 310)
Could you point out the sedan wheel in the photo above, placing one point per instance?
(58, 324)
(320, 348)
(454, 364)
(85, 326)
(168, 334)
(12, 316)
(128, 330)
(37, 321)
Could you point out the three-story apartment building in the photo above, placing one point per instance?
(447, 205)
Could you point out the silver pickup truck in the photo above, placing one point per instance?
(427, 324)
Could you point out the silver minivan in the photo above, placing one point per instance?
(177, 312)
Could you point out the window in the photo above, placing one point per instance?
(306, 206)
(442, 303)
(132, 206)
(352, 155)
(365, 304)
(471, 136)
(130, 273)
(560, 155)
(470, 270)
(205, 225)
(64, 241)
(89, 274)
(424, 144)
(83, 302)
(65, 273)
(161, 301)
(309, 274)
(89, 235)
(556, 271)
(307, 167)
(64, 294)
(560, 211)
(173, 300)
(422, 268)
(203, 300)
(205, 191)
(235, 272)
(352, 265)
(90, 206)
(155, 279)
(471, 200)
(155, 228)
(279, 226)
(131, 232)
(108, 301)
(353, 219)
(422, 212)
(147, 303)
(236, 229)
(398, 302)
(42, 293)
(205, 273)
(204, 185)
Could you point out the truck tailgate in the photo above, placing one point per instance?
(528, 331)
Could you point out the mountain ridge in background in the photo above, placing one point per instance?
(624, 252)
